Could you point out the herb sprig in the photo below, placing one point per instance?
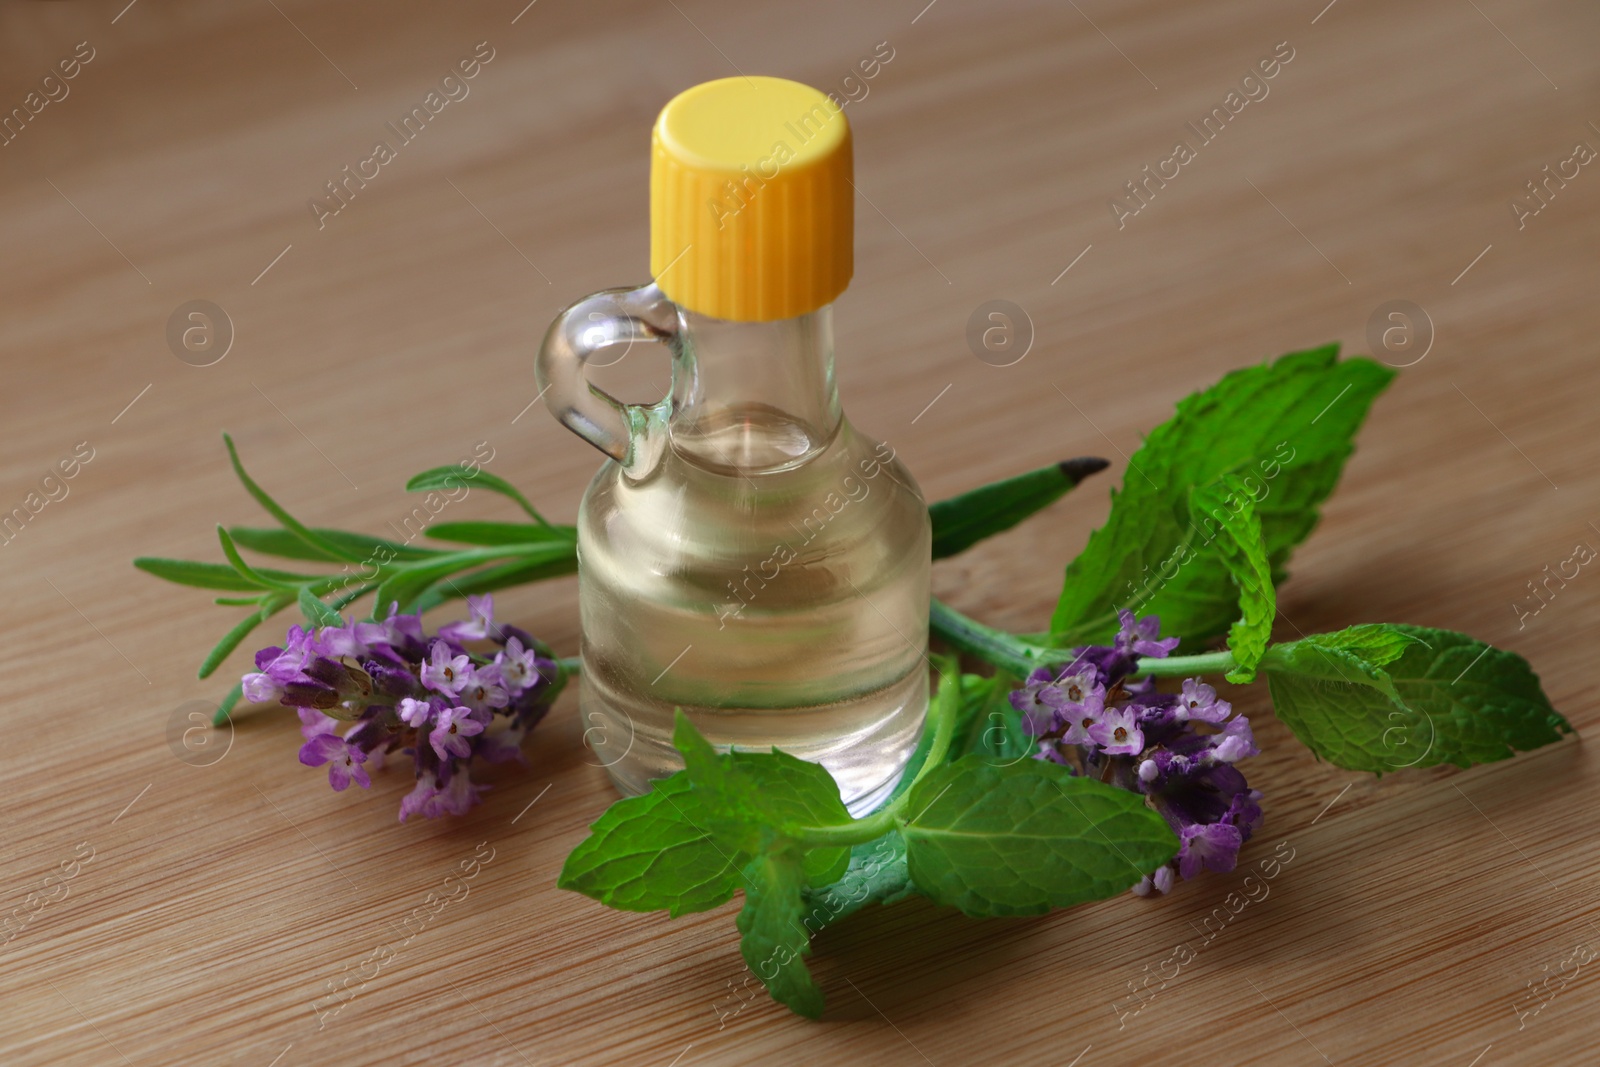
(1067, 774)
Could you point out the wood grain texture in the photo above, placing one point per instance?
(223, 900)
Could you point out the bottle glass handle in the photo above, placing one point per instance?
(593, 330)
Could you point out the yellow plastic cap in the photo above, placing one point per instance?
(752, 213)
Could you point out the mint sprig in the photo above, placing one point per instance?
(1208, 514)
(988, 838)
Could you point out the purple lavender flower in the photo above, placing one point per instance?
(421, 800)
(444, 673)
(451, 730)
(1117, 733)
(518, 665)
(314, 723)
(1140, 638)
(481, 689)
(460, 794)
(403, 691)
(414, 713)
(1199, 701)
(1177, 749)
(1084, 719)
(344, 760)
(1235, 742)
(479, 624)
(1208, 846)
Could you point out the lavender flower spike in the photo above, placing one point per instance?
(434, 698)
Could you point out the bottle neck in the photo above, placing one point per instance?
(754, 397)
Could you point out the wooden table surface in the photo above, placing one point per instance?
(213, 904)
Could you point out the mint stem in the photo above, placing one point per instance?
(1020, 657)
(1185, 666)
(1006, 651)
(858, 831)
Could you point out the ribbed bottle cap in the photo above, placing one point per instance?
(751, 206)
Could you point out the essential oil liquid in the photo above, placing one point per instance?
(773, 587)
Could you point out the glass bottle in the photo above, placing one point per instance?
(744, 554)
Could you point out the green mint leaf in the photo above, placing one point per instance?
(285, 543)
(751, 795)
(963, 521)
(210, 575)
(1385, 697)
(773, 940)
(1372, 644)
(277, 511)
(1355, 656)
(1226, 508)
(1285, 426)
(455, 477)
(500, 533)
(653, 853)
(316, 612)
(993, 728)
(876, 874)
(1025, 837)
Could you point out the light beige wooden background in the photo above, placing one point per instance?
(223, 900)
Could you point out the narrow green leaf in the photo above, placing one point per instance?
(209, 575)
(500, 576)
(276, 541)
(229, 701)
(280, 542)
(350, 596)
(1286, 427)
(963, 521)
(244, 570)
(316, 612)
(500, 533)
(653, 853)
(277, 511)
(1227, 507)
(230, 641)
(1025, 837)
(407, 581)
(1385, 697)
(454, 477)
(773, 941)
